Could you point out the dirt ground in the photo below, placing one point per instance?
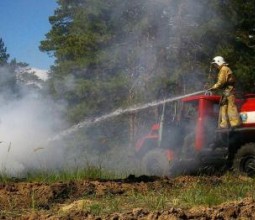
(24, 200)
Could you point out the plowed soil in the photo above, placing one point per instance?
(68, 200)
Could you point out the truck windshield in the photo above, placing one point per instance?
(190, 110)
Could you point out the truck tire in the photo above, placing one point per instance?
(244, 161)
(147, 146)
(155, 163)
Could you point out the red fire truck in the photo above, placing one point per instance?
(189, 140)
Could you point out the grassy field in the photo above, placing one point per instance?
(115, 193)
(183, 192)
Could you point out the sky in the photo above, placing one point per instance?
(24, 24)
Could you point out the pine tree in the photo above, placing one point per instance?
(4, 56)
(80, 33)
(239, 47)
(8, 83)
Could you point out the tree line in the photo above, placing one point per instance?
(137, 51)
(115, 53)
(16, 78)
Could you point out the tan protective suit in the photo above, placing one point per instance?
(228, 110)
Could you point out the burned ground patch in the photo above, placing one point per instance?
(131, 198)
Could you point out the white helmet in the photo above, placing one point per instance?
(218, 60)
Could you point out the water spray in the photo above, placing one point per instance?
(118, 112)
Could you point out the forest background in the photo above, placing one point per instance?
(115, 54)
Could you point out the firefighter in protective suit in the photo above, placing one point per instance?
(228, 115)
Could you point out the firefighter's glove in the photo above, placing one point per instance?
(209, 91)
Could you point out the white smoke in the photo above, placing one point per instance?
(25, 125)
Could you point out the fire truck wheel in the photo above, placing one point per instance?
(156, 163)
(244, 160)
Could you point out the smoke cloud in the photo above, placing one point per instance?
(27, 120)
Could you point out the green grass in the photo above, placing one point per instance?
(49, 176)
(200, 191)
(197, 193)
(230, 188)
(70, 175)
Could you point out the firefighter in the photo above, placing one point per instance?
(228, 114)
